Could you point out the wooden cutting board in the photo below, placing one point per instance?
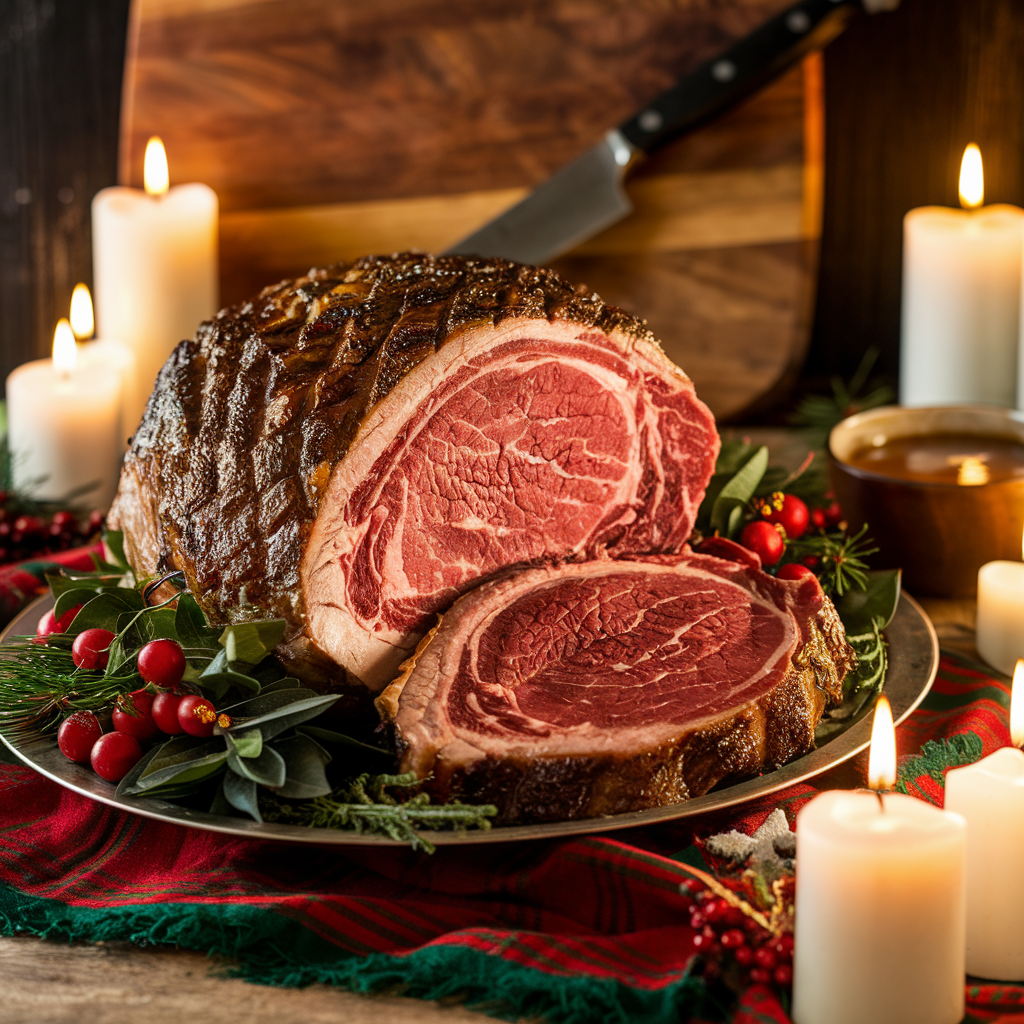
(333, 128)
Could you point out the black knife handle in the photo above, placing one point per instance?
(738, 71)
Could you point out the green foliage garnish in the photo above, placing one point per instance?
(841, 566)
(818, 414)
(364, 804)
(266, 750)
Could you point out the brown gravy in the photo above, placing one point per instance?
(965, 459)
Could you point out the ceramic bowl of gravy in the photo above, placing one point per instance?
(941, 489)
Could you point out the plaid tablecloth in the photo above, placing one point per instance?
(579, 930)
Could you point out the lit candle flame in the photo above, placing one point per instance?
(1017, 705)
(154, 172)
(972, 179)
(882, 760)
(65, 349)
(82, 322)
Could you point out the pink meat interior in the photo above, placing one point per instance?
(619, 651)
(519, 456)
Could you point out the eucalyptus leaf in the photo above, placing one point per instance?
(140, 766)
(875, 605)
(190, 623)
(330, 737)
(727, 512)
(59, 582)
(276, 722)
(220, 803)
(267, 769)
(181, 761)
(240, 793)
(287, 683)
(245, 744)
(265, 703)
(304, 760)
(218, 677)
(248, 643)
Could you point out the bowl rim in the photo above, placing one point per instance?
(1012, 417)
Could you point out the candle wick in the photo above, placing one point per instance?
(881, 802)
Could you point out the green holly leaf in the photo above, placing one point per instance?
(72, 596)
(194, 633)
(339, 739)
(103, 610)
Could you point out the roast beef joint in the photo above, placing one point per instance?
(396, 438)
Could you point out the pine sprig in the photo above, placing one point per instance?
(365, 805)
(40, 686)
(841, 558)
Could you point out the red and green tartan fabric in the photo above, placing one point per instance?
(573, 931)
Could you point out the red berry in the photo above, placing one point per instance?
(784, 945)
(90, 649)
(697, 920)
(783, 975)
(48, 624)
(764, 540)
(165, 713)
(760, 976)
(811, 561)
(141, 726)
(77, 734)
(793, 571)
(162, 663)
(765, 957)
(833, 514)
(114, 755)
(793, 517)
(62, 520)
(744, 955)
(29, 524)
(95, 520)
(715, 910)
(733, 938)
(818, 518)
(196, 716)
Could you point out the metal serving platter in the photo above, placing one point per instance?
(913, 661)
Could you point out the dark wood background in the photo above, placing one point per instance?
(904, 93)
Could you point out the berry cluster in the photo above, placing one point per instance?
(139, 716)
(24, 535)
(786, 517)
(730, 940)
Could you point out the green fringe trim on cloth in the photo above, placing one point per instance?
(272, 949)
(938, 755)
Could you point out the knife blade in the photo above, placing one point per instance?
(587, 195)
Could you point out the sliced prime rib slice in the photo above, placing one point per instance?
(577, 690)
(354, 449)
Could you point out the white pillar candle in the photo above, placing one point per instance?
(879, 916)
(999, 634)
(114, 355)
(155, 272)
(990, 796)
(961, 301)
(63, 426)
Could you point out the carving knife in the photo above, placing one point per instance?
(586, 196)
